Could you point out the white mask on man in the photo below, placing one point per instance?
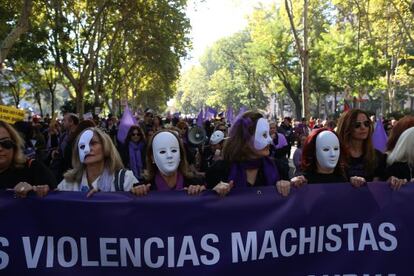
(166, 152)
(83, 145)
(262, 136)
(327, 150)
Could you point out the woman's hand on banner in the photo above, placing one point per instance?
(283, 187)
(223, 188)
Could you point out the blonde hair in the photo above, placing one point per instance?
(112, 158)
(19, 159)
(404, 149)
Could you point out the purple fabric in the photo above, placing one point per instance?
(210, 113)
(245, 124)
(200, 118)
(135, 159)
(126, 122)
(229, 115)
(245, 223)
(281, 141)
(163, 186)
(238, 171)
(379, 137)
(242, 110)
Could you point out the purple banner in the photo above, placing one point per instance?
(330, 229)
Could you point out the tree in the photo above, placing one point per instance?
(21, 25)
(303, 52)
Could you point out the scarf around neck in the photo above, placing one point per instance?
(135, 159)
(163, 186)
(238, 171)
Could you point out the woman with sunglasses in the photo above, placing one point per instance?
(363, 162)
(16, 171)
(133, 151)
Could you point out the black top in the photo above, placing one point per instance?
(314, 178)
(187, 182)
(123, 150)
(356, 167)
(400, 170)
(34, 173)
(220, 170)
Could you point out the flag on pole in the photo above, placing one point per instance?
(229, 115)
(200, 118)
(379, 137)
(126, 122)
(210, 113)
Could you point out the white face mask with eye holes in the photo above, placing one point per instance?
(166, 152)
(327, 150)
(84, 144)
(262, 136)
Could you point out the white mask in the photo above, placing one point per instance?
(83, 145)
(327, 149)
(166, 152)
(262, 136)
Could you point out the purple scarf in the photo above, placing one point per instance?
(135, 160)
(163, 186)
(269, 169)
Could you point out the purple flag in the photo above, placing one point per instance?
(126, 122)
(379, 137)
(243, 109)
(229, 115)
(200, 118)
(210, 113)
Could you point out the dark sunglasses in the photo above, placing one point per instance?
(136, 134)
(8, 144)
(366, 123)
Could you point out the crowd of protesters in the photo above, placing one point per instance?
(163, 153)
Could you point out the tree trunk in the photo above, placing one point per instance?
(21, 27)
(80, 105)
(305, 65)
(39, 103)
(303, 54)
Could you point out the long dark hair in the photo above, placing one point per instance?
(131, 130)
(345, 129)
(238, 146)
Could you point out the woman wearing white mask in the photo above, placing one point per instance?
(321, 159)
(246, 158)
(401, 160)
(167, 167)
(97, 166)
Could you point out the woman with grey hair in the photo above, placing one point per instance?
(97, 165)
(400, 161)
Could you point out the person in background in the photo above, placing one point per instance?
(403, 124)
(157, 123)
(364, 163)
(133, 151)
(16, 171)
(400, 160)
(97, 166)
(287, 130)
(246, 160)
(213, 152)
(167, 167)
(297, 155)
